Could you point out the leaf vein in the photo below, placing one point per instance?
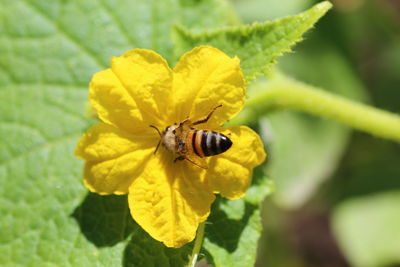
(67, 35)
(117, 22)
(40, 147)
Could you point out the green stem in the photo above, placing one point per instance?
(197, 245)
(284, 93)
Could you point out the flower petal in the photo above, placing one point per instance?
(103, 142)
(169, 200)
(113, 103)
(148, 80)
(204, 78)
(114, 157)
(230, 173)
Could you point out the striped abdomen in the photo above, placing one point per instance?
(209, 143)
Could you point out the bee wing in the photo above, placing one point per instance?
(200, 162)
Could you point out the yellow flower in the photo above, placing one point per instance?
(167, 199)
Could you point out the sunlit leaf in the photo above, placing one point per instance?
(257, 45)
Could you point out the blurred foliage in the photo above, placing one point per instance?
(368, 229)
(354, 51)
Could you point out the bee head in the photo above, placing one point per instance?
(167, 137)
(170, 129)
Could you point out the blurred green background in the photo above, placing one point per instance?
(337, 199)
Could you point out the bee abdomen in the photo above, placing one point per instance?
(209, 143)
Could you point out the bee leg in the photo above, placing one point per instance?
(185, 121)
(179, 158)
(205, 119)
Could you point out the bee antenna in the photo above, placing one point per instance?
(158, 145)
(158, 131)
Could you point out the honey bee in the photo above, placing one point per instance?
(191, 144)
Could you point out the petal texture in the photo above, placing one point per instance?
(169, 200)
(103, 142)
(204, 78)
(113, 157)
(148, 80)
(230, 173)
(113, 103)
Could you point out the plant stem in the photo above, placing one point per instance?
(197, 245)
(285, 93)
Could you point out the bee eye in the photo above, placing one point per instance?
(174, 131)
(167, 128)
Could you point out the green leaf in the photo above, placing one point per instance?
(234, 226)
(143, 250)
(367, 229)
(110, 216)
(256, 45)
(260, 189)
(49, 50)
(261, 10)
(233, 242)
